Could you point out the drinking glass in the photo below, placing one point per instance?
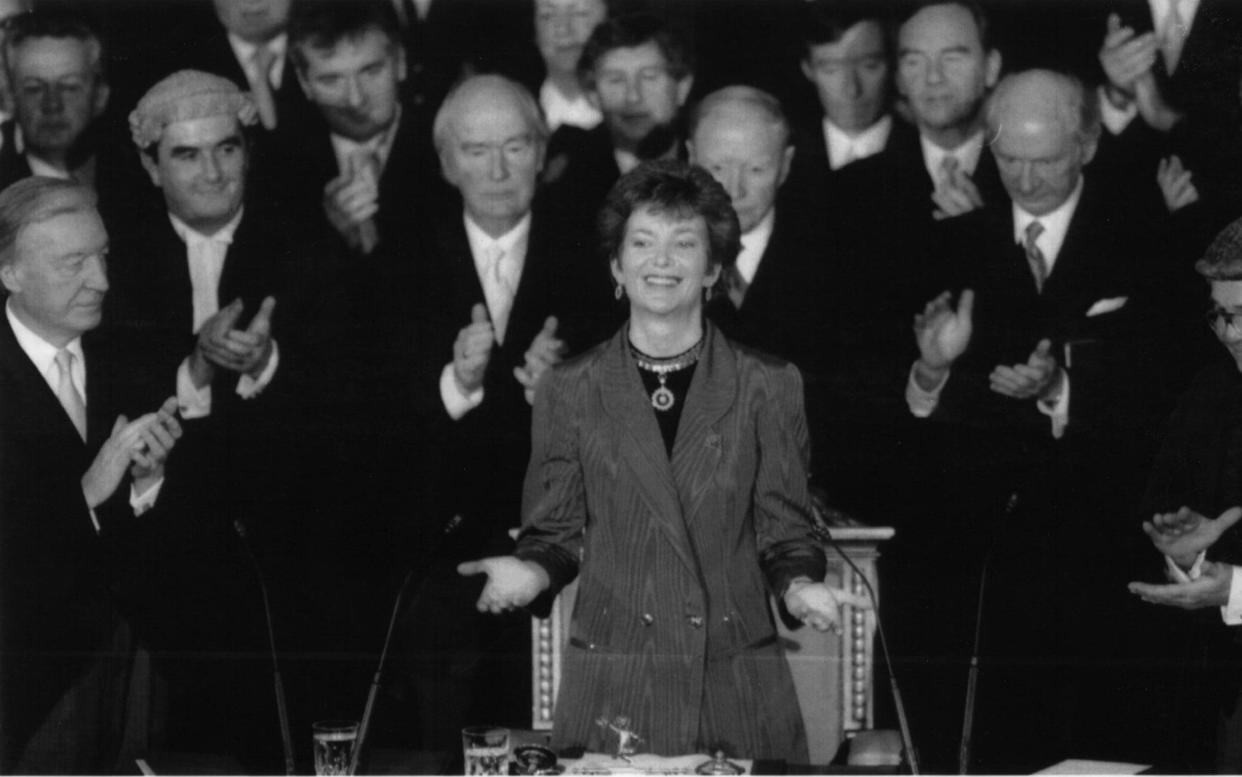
(334, 745)
(486, 749)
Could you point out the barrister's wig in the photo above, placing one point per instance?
(1223, 259)
(679, 190)
(184, 96)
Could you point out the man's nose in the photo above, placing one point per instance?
(500, 166)
(633, 91)
(96, 272)
(1026, 180)
(353, 95)
(935, 72)
(853, 84)
(52, 103)
(562, 27)
(211, 167)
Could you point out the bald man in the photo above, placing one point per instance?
(1041, 365)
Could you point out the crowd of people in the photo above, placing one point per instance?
(381, 281)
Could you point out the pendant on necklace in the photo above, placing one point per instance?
(662, 398)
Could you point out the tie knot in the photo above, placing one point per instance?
(1033, 231)
(263, 57)
(64, 361)
(949, 164)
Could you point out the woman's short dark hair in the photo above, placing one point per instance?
(680, 190)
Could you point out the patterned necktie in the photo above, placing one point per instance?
(1172, 37)
(261, 87)
(948, 166)
(68, 394)
(365, 166)
(1035, 257)
(503, 291)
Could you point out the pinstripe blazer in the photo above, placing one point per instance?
(673, 553)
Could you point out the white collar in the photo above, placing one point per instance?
(244, 51)
(1186, 9)
(844, 148)
(46, 169)
(190, 236)
(754, 244)
(480, 241)
(967, 155)
(1055, 224)
(40, 351)
(379, 144)
(559, 109)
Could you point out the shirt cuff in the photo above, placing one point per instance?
(1115, 119)
(1058, 411)
(1231, 613)
(921, 402)
(456, 402)
(146, 500)
(192, 401)
(248, 387)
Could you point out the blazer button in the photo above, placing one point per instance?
(648, 619)
(696, 621)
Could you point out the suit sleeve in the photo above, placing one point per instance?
(782, 503)
(554, 497)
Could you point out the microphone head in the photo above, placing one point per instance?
(240, 528)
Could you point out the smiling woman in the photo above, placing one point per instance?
(686, 456)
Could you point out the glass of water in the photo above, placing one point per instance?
(334, 745)
(486, 749)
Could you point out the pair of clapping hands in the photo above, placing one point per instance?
(513, 583)
(943, 334)
(350, 202)
(473, 350)
(140, 446)
(1127, 59)
(1182, 536)
(221, 346)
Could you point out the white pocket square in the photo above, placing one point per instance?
(1107, 306)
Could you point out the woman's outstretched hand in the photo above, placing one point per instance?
(511, 582)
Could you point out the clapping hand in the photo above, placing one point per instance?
(545, 351)
(350, 201)
(1176, 184)
(943, 334)
(1037, 379)
(955, 195)
(219, 345)
(141, 446)
(473, 350)
(1183, 535)
(1210, 589)
(1125, 57)
(818, 605)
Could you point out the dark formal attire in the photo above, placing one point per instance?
(671, 627)
(66, 650)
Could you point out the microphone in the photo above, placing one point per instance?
(972, 677)
(365, 725)
(824, 534)
(282, 711)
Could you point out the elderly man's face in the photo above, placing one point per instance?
(1227, 298)
(493, 156)
(56, 93)
(942, 68)
(562, 28)
(746, 153)
(201, 167)
(851, 76)
(255, 21)
(59, 275)
(636, 93)
(355, 84)
(1039, 156)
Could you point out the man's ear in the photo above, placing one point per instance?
(786, 164)
(992, 67)
(401, 67)
(8, 276)
(683, 90)
(152, 168)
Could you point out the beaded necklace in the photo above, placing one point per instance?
(662, 399)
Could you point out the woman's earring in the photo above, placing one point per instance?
(618, 291)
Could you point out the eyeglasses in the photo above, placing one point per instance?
(1218, 320)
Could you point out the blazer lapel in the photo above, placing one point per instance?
(31, 387)
(697, 450)
(641, 446)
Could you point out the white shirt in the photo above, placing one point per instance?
(43, 355)
(754, 243)
(205, 255)
(498, 296)
(244, 51)
(844, 148)
(380, 145)
(1055, 224)
(39, 167)
(559, 109)
(967, 155)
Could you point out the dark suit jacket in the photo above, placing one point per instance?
(59, 587)
(679, 552)
(560, 277)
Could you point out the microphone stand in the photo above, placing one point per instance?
(824, 534)
(972, 678)
(286, 739)
(365, 725)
